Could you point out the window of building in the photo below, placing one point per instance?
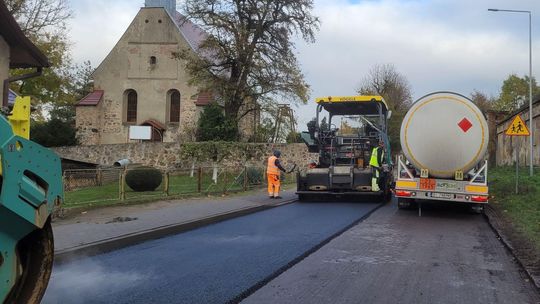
(131, 106)
(153, 60)
(174, 106)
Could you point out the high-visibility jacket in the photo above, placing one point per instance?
(374, 161)
(272, 168)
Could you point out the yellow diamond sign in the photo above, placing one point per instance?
(517, 127)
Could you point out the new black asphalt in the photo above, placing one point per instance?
(213, 264)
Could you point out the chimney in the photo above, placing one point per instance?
(168, 5)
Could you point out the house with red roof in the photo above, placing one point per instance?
(142, 83)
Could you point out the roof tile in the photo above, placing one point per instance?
(91, 99)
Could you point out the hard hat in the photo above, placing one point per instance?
(277, 153)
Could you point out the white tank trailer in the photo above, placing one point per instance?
(444, 139)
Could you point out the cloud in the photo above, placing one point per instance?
(438, 44)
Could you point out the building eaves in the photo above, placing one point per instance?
(23, 53)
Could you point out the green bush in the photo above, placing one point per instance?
(144, 179)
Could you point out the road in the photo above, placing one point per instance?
(213, 264)
(394, 256)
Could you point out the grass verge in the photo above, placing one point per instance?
(180, 186)
(523, 209)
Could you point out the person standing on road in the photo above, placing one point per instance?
(273, 174)
(375, 163)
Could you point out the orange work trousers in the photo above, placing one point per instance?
(273, 184)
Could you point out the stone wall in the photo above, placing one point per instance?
(166, 156)
(506, 145)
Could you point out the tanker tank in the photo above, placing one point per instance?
(444, 132)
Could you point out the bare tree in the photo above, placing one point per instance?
(36, 16)
(386, 81)
(482, 101)
(249, 51)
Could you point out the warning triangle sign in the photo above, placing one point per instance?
(517, 127)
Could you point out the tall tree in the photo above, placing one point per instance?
(386, 81)
(515, 93)
(249, 51)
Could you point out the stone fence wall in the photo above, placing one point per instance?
(167, 156)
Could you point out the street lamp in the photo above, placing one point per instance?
(531, 129)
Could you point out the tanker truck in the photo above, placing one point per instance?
(444, 138)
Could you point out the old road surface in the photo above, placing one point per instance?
(214, 264)
(394, 256)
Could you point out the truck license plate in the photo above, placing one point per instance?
(442, 195)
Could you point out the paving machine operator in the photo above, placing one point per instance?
(273, 173)
(375, 163)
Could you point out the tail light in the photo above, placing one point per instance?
(479, 198)
(403, 193)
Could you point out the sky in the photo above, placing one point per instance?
(438, 45)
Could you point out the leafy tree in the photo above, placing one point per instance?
(294, 137)
(250, 54)
(44, 22)
(58, 131)
(515, 93)
(213, 125)
(386, 81)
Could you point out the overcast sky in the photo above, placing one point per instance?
(454, 45)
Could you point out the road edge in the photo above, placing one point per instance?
(130, 239)
(490, 216)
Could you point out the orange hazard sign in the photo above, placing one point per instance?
(517, 127)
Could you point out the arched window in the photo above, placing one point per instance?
(131, 106)
(174, 106)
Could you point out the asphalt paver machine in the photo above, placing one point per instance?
(344, 133)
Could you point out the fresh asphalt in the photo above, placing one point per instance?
(214, 264)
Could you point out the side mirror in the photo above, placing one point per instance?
(389, 114)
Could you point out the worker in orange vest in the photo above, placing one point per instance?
(272, 172)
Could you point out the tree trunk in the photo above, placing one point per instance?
(215, 173)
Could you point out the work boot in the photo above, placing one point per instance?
(271, 197)
(277, 197)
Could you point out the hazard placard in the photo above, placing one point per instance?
(517, 127)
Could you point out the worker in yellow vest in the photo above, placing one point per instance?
(273, 172)
(375, 163)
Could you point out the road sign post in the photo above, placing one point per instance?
(517, 128)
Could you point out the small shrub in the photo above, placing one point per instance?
(144, 179)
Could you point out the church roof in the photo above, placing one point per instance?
(193, 34)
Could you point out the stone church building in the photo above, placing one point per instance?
(140, 83)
